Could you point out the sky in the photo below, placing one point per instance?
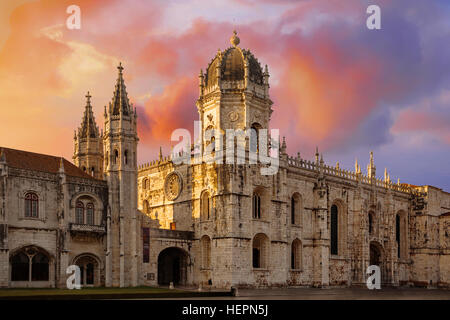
(335, 83)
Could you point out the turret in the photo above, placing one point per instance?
(88, 153)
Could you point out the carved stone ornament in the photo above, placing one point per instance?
(172, 186)
(233, 116)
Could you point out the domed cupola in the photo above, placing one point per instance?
(235, 65)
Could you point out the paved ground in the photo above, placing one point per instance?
(338, 294)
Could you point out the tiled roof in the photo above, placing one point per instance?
(40, 162)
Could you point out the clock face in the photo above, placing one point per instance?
(173, 186)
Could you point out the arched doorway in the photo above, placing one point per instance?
(375, 254)
(172, 266)
(377, 258)
(89, 268)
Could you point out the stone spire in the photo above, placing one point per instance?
(88, 151)
(371, 169)
(88, 128)
(283, 146)
(120, 103)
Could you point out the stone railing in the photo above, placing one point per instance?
(87, 228)
(349, 175)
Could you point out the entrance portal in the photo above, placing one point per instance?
(172, 266)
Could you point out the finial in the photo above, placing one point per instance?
(160, 153)
(234, 40)
(337, 165)
(356, 165)
(317, 154)
(120, 67)
(88, 96)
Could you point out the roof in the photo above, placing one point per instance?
(446, 214)
(40, 162)
(232, 64)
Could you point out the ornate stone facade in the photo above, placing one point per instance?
(210, 224)
(314, 225)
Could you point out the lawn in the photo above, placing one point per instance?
(98, 293)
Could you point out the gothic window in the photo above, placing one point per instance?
(90, 214)
(145, 183)
(31, 205)
(398, 235)
(256, 206)
(92, 171)
(125, 157)
(296, 254)
(206, 252)
(84, 168)
(79, 213)
(116, 156)
(20, 267)
(29, 265)
(260, 251)
(254, 137)
(205, 206)
(371, 222)
(295, 209)
(39, 268)
(334, 229)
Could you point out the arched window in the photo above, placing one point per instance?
(90, 214)
(92, 171)
(205, 206)
(206, 252)
(116, 156)
(79, 213)
(295, 209)
(334, 229)
(29, 265)
(254, 137)
(256, 206)
(31, 205)
(398, 234)
(39, 269)
(84, 168)
(260, 251)
(125, 157)
(20, 264)
(296, 254)
(371, 222)
(144, 183)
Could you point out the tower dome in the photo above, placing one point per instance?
(231, 65)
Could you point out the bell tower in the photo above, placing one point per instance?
(88, 153)
(234, 92)
(120, 169)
